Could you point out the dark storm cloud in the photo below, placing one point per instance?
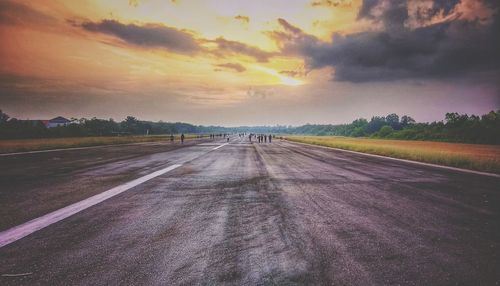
(450, 48)
(149, 35)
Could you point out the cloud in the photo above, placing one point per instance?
(231, 66)
(148, 35)
(332, 3)
(243, 19)
(13, 13)
(133, 3)
(179, 41)
(292, 73)
(260, 92)
(233, 47)
(451, 48)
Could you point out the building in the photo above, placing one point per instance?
(56, 122)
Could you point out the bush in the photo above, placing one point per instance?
(385, 131)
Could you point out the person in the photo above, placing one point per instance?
(265, 138)
(228, 139)
(182, 138)
(270, 138)
(171, 137)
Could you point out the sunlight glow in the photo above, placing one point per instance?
(285, 80)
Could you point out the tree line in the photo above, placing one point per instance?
(12, 128)
(454, 128)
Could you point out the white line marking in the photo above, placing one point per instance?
(17, 275)
(13, 234)
(83, 148)
(404, 160)
(220, 146)
(51, 150)
(75, 148)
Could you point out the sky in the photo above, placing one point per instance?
(259, 62)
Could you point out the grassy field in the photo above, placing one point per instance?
(8, 146)
(469, 156)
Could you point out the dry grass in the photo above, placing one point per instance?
(469, 156)
(8, 146)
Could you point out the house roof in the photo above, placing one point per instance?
(59, 119)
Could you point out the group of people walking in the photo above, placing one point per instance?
(182, 138)
(261, 138)
(224, 135)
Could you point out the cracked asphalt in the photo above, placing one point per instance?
(276, 213)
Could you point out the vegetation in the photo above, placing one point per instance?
(455, 128)
(21, 145)
(469, 156)
(11, 128)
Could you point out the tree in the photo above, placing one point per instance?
(375, 124)
(385, 131)
(358, 132)
(130, 124)
(3, 117)
(406, 120)
(393, 121)
(360, 122)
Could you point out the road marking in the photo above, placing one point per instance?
(83, 148)
(13, 234)
(220, 146)
(405, 161)
(75, 148)
(17, 274)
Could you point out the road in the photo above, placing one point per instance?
(248, 214)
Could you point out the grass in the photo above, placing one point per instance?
(22, 145)
(468, 156)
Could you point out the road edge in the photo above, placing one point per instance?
(81, 148)
(404, 160)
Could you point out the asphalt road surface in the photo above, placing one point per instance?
(247, 214)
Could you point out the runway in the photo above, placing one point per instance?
(247, 214)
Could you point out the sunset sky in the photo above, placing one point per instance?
(259, 62)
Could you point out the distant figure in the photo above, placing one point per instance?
(182, 138)
(265, 138)
(171, 137)
(250, 138)
(227, 139)
(270, 138)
